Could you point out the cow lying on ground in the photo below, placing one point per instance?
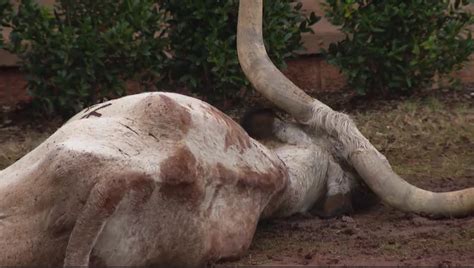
(168, 180)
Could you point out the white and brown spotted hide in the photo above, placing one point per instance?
(150, 179)
(316, 175)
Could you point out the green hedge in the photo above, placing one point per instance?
(398, 46)
(203, 41)
(83, 51)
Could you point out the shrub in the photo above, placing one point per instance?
(5, 13)
(84, 50)
(398, 46)
(203, 41)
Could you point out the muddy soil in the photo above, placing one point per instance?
(380, 236)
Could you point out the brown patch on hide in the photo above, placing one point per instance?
(143, 187)
(181, 167)
(180, 174)
(235, 135)
(180, 114)
(168, 115)
(115, 189)
(190, 194)
(113, 194)
(245, 177)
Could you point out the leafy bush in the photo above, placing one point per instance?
(84, 50)
(203, 41)
(5, 13)
(398, 46)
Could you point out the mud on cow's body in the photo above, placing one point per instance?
(155, 178)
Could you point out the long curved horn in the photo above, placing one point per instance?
(369, 163)
(258, 67)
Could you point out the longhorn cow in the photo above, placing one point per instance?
(168, 180)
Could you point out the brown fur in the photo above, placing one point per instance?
(161, 110)
(181, 175)
(235, 135)
(249, 178)
(180, 167)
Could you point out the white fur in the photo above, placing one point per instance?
(314, 172)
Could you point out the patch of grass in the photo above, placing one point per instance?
(15, 142)
(393, 248)
(424, 137)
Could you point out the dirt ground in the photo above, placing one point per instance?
(379, 237)
(429, 140)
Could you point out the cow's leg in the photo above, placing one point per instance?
(337, 201)
(103, 200)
